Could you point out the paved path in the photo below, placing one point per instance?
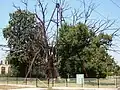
(68, 88)
(18, 85)
(31, 89)
(76, 88)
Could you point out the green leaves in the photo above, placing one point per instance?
(83, 51)
(80, 49)
(24, 39)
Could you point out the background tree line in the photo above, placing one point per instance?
(82, 46)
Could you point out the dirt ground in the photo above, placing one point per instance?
(6, 87)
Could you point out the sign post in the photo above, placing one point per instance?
(80, 79)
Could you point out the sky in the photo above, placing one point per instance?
(104, 9)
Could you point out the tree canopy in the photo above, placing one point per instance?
(83, 51)
(80, 48)
(24, 40)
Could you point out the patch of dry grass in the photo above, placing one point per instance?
(6, 87)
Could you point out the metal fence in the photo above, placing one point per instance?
(88, 82)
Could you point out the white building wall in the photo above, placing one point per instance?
(6, 67)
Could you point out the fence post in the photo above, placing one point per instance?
(7, 79)
(17, 80)
(48, 81)
(98, 82)
(98, 79)
(36, 82)
(116, 81)
(26, 81)
(66, 83)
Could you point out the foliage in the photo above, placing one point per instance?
(80, 49)
(24, 40)
(83, 51)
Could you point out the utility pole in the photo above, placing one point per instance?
(57, 6)
(56, 18)
(58, 22)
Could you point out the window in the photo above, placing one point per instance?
(2, 70)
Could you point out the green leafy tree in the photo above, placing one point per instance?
(24, 40)
(83, 51)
